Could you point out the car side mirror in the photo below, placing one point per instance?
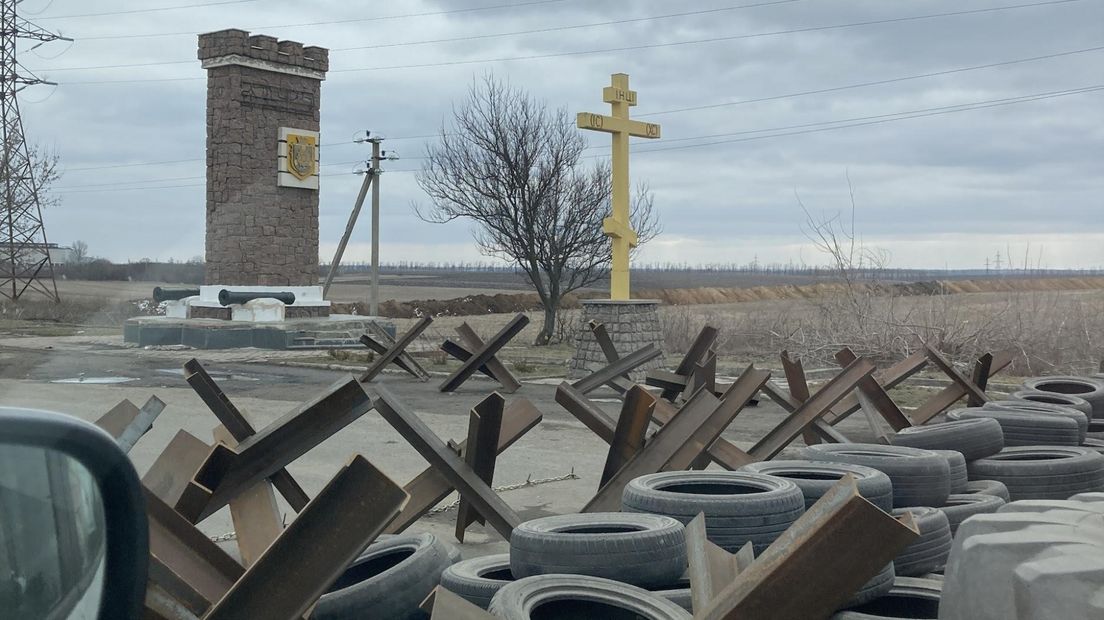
(74, 537)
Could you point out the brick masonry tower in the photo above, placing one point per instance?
(262, 158)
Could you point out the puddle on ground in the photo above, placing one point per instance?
(95, 380)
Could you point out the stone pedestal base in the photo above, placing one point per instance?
(631, 325)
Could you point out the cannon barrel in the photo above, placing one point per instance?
(227, 297)
(167, 294)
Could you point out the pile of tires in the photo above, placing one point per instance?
(739, 507)
(580, 564)
(1024, 426)
(391, 578)
(919, 477)
(1090, 389)
(1043, 472)
(908, 597)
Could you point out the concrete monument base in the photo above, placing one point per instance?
(631, 325)
(332, 332)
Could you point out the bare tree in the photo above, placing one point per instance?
(514, 167)
(79, 252)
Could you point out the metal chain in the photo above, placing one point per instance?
(529, 482)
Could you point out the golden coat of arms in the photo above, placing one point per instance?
(301, 155)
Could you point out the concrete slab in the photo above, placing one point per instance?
(982, 585)
(334, 331)
(1067, 582)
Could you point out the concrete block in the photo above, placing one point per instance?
(1095, 496)
(1001, 522)
(981, 587)
(263, 310)
(1065, 582)
(224, 338)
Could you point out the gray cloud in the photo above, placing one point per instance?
(970, 183)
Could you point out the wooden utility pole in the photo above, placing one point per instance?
(373, 300)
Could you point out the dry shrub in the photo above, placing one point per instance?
(1050, 331)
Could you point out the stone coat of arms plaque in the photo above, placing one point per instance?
(297, 158)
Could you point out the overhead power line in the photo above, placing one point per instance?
(881, 118)
(469, 38)
(150, 10)
(645, 46)
(778, 131)
(374, 18)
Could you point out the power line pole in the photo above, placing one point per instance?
(25, 254)
(373, 298)
(371, 180)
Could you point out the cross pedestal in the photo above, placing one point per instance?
(631, 324)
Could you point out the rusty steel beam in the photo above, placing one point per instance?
(430, 487)
(722, 451)
(254, 512)
(980, 378)
(175, 466)
(702, 343)
(459, 352)
(811, 410)
(819, 426)
(510, 383)
(314, 550)
(952, 393)
(497, 513)
(816, 565)
(118, 418)
(396, 349)
(479, 452)
(602, 337)
(239, 427)
(888, 378)
(586, 411)
(485, 353)
(658, 452)
(188, 553)
(613, 373)
(798, 385)
(704, 374)
(168, 597)
(969, 387)
(127, 423)
(229, 472)
(710, 569)
(683, 439)
(378, 347)
(628, 436)
(875, 394)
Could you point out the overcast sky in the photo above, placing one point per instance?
(947, 188)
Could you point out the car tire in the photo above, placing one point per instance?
(739, 506)
(962, 506)
(974, 438)
(878, 586)
(1026, 428)
(1088, 388)
(919, 477)
(678, 593)
(1054, 398)
(957, 464)
(478, 579)
(568, 596)
(909, 598)
(639, 549)
(390, 580)
(1080, 417)
(995, 488)
(815, 479)
(928, 553)
(1043, 472)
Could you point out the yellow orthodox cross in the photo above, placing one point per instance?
(617, 226)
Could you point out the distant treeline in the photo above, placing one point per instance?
(142, 271)
(191, 272)
(746, 268)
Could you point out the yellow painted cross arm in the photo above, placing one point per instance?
(611, 124)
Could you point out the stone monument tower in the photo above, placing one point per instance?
(262, 158)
